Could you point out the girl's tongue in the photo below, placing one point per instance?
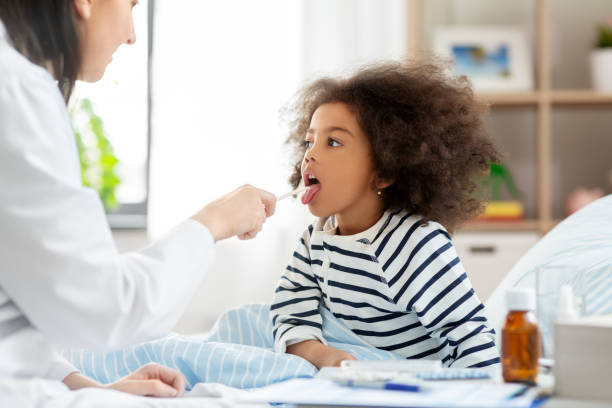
(310, 193)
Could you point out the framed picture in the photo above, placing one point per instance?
(494, 58)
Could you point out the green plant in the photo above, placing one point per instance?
(500, 179)
(604, 35)
(96, 155)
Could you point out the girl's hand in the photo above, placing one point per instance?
(319, 354)
(333, 358)
(152, 380)
(241, 212)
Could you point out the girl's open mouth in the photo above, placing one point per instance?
(313, 185)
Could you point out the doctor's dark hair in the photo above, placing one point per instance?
(45, 32)
(425, 131)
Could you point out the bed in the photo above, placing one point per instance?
(238, 355)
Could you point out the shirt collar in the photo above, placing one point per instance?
(330, 227)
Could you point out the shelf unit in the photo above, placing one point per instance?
(543, 98)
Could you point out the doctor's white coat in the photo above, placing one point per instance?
(62, 281)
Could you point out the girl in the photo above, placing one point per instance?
(390, 157)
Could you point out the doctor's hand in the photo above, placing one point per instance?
(152, 380)
(240, 213)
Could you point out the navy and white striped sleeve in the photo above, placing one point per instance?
(295, 308)
(436, 288)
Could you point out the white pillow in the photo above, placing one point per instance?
(582, 242)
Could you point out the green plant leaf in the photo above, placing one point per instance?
(96, 155)
(604, 36)
(500, 180)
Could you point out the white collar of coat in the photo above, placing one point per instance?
(2, 31)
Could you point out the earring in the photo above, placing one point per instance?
(379, 193)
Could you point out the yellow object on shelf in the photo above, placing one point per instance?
(503, 210)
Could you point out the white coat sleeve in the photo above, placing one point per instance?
(60, 368)
(59, 262)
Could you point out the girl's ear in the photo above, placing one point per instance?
(381, 184)
(83, 8)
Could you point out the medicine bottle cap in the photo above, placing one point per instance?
(522, 299)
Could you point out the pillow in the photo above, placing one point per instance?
(578, 251)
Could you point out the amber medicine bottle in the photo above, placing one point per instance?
(520, 338)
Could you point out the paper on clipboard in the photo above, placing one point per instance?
(324, 392)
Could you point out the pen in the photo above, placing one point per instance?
(382, 385)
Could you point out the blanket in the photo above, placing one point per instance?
(237, 352)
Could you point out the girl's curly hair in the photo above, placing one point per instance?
(425, 132)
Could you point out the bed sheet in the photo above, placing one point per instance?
(38, 393)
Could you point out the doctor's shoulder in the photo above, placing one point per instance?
(18, 74)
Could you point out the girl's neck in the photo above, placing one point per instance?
(351, 223)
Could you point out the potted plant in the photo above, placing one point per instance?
(505, 199)
(96, 155)
(601, 59)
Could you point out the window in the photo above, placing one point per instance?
(122, 99)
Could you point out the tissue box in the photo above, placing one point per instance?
(583, 358)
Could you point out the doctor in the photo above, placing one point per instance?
(62, 281)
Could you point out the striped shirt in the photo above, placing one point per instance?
(398, 285)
